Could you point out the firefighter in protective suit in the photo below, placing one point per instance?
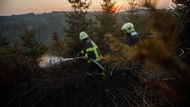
(130, 37)
(90, 52)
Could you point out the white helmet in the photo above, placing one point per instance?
(129, 27)
(83, 35)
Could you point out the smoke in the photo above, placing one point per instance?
(158, 4)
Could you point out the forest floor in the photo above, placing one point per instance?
(68, 86)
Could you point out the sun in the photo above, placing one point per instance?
(115, 8)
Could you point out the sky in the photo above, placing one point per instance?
(10, 7)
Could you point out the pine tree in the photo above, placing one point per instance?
(59, 46)
(137, 19)
(106, 24)
(4, 44)
(182, 5)
(133, 5)
(4, 51)
(77, 21)
(183, 28)
(32, 49)
(3, 40)
(107, 20)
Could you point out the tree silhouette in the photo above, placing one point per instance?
(4, 50)
(77, 21)
(3, 39)
(4, 43)
(59, 46)
(106, 23)
(32, 49)
(107, 20)
(133, 4)
(183, 28)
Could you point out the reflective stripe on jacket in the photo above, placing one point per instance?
(90, 50)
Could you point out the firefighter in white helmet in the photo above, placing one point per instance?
(131, 37)
(90, 51)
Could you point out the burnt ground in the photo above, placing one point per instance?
(68, 86)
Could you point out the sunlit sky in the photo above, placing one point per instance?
(9, 7)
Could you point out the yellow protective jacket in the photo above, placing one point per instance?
(90, 50)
